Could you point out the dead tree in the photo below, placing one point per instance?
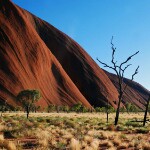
(146, 110)
(119, 70)
(107, 111)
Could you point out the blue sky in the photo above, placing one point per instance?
(92, 23)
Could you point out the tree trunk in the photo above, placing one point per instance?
(27, 109)
(107, 116)
(27, 115)
(146, 110)
(57, 109)
(35, 110)
(118, 110)
(107, 111)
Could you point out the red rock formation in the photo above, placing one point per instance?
(27, 63)
(36, 55)
(84, 72)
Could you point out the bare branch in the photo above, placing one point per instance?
(136, 72)
(123, 70)
(127, 67)
(105, 65)
(113, 57)
(128, 58)
(111, 41)
(113, 52)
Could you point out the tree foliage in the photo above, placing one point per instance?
(79, 107)
(131, 108)
(27, 98)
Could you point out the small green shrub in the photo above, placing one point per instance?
(142, 130)
(133, 124)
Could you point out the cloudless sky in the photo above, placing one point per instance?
(92, 23)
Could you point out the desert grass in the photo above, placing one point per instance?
(72, 131)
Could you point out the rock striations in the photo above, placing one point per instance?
(27, 63)
(36, 55)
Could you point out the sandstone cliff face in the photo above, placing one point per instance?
(36, 55)
(27, 63)
(92, 82)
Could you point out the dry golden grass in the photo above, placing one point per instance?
(75, 144)
(146, 146)
(87, 131)
(74, 115)
(5, 144)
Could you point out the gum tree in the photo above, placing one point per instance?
(119, 70)
(27, 98)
